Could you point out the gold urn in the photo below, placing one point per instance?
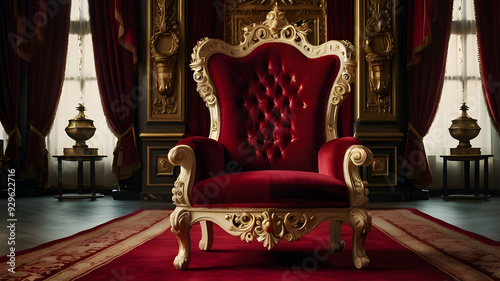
(80, 128)
(464, 128)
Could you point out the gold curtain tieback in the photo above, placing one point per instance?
(15, 130)
(42, 136)
(35, 130)
(410, 126)
(131, 128)
(119, 148)
(18, 134)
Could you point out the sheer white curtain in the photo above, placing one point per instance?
(80, 86)
(462, 84)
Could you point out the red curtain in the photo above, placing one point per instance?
(340, 26)
(114, 38)
(9, 73)
(205, 19)
(48, 63)
(426, 77)
(488, 28)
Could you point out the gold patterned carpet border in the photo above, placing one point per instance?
(454, 252)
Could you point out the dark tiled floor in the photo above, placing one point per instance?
(43, 219)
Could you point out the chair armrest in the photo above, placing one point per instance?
(341, 158)
(331, 156)
(199, 158)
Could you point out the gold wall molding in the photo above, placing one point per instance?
(166, 61)
(378, 91)
(306, 13)
(376, 97)
(379, 48)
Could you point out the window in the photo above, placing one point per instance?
(462, 83)
(80, 86)
(3, 136)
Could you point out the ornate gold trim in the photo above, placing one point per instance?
(269, 226)
(183, 155)
(153, 158)
(165, 61)
(310, 14)
(377, 70)
(275, 29)
(163, 166)
(162, 136)
(356, 156)
(379, 48)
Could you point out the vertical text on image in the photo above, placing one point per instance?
(11, 220)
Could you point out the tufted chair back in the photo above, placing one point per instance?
(273, 99)
(273, 105)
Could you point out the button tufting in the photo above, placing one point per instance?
(271, 99)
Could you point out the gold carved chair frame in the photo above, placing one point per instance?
(270, 225)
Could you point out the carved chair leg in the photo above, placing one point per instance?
(361, 226)
(181, 226)
(207, 235)
(336, 242)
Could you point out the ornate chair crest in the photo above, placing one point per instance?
(272, 166)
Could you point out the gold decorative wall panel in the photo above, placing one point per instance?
(383, 170)
(158, 165)
(378, 92)
(166, 61)
(377, 69)
(163, 113)
(309, 14)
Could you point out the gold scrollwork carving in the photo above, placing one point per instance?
(270, 228)
(182, 155)
(379, 48)
(241, 13)
(180, 221)
(164, 46)
(361, 223)
(163, 166)
(356, 156)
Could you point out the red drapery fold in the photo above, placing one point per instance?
(48, 63)
(488, 28)
(425, 79)
(114, 39)
(205, 19)
(9, 73)
(340, 26)
(420, 23)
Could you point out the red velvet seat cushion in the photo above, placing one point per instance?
(271, 188)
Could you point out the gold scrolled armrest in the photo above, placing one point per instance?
(183, 155)
(356, 156)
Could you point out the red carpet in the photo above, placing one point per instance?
(403, 245)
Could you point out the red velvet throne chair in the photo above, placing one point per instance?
(273, 166)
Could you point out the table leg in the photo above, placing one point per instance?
(467, 176)
(476, 178)
(59, 177)
(80, 177)
(92, 177)
(485, 174)
(445, 177)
